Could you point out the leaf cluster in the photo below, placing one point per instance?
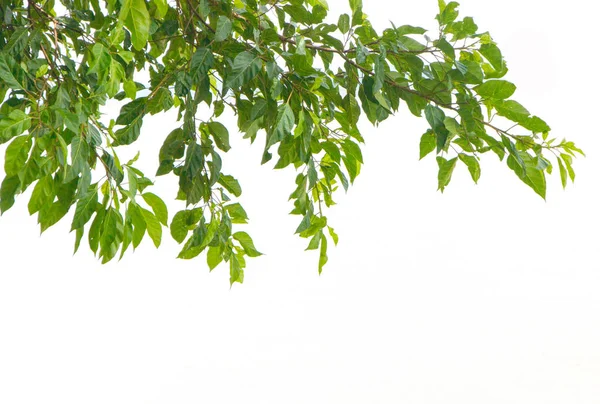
(294, 78)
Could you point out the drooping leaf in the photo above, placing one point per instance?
(246, 243)
(134, 14)
(158, 207)
(446, 168)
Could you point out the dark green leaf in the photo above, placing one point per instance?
(220, 134)
(223, 29)
(246, 66)
(85, 208)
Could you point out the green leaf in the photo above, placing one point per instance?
(8, 68)
(246, 66)
(80, 153)
(497, 89)
(112, 235)
(344, 23)
(132, 111)
(223, 29)
(15, 124)
(332, 150)
(130, 89)
(512, 110)
(202, 61)
(563, 172)
(179, 226)
(333, 235)
(236, 273)
(448, 14)
(221, 135)
(152, 225)
(427, 144)
(161, 8)
(323, 254)
(445, 47)
(139, 224)
(8, 189)
(493, 55)
(85, 208)
(284, 124)
(351, 149)
(472, 164)
(435, 116)
(134, 14)
(16, 155)
(527, 170)
(315, 241)
(446, 167)
(246, 243)
(230, 184)
(158, 207)
(237, 213)
(569, 165)
(42, 195)
(213, 257)
(536, 125)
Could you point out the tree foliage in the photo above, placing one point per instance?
(297, 79)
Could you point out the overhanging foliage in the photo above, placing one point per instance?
(296, 80)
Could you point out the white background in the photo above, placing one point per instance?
(485, 294)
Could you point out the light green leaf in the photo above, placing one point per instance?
(179, 226)
(323, 254)
(536, 125)
(563, 172)
(493, 55)
(237, 213)
(130, 89)
(152, 225)
(134, 15)
(158, 207)
(497, 89)
(427, 144)
(161, 8)
(472, 164)
(213, 257)
(352, 149)
(246, 243)
(512, 110)
(344, 23)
